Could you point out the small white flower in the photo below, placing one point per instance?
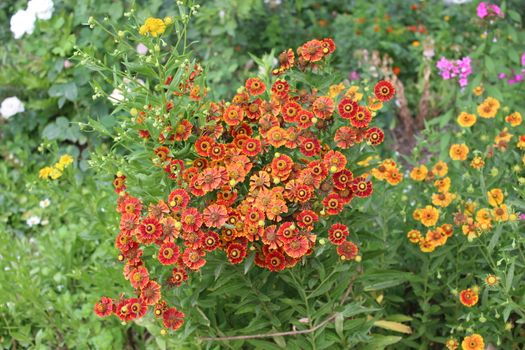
(142, 49)
(33, 221)
(44, 222)
(11, 106)
(43, 9)
(45, 203)
(116, 96)
(22, 22)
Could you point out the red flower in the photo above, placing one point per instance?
(375, 136)
(168, 253)
(347, 108)
(139, 277)
(333, 204)
(296, 247)
(178, 276)
(287, 232)
(304, 119)
(275, 261)
(323, 107)
(104, 307)
(119, 183)
(150, 294)
(137, 308)
(174, 168)
(312, 51)
(255, 86)
(178, 199)
(306, 219)
(347, 250)
(310, 147)
(128, 223)
(210, 241)
(130, 205)
(193, 259)
(280, 87)
(282, 166)
(212, 178)
(328, 46)
(468, 297)
(384, 90)
(334, 159)
(191, 220)
(233, 115)
(217, 151)
(203, 145)
(342, 179)
(338, 233)
(173, 319)
(361, 118)
(215, 215)
(149, 230)
(361, 188)
(236, 253)
(290, 111)
(251, 147)
(162, 153)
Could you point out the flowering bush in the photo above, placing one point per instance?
(259, 177)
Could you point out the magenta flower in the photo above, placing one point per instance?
(451, 69)
(354, 75)
(485, 10)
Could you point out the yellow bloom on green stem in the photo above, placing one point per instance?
(45, 172)
(153, 26)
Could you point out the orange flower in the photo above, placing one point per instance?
(466, 120)
(312, 51)
(442, 199)
(429, 216)
(323, 107)
(495, 197)
(419, 173)
(414, 236)
(440, 169)
(233, 115)
(458, 151)
(514, 119)
(488, 108)
(276, 136)
(255, 86)
(473, 342)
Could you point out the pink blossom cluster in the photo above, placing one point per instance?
(513, 77)
(450, 69)
(486, 10)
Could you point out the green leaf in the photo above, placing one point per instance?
(379, 342)
(339, 319)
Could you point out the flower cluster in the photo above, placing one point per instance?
(459, 68)
(471, 218)
(23, 21)
(388, 171)
(262, 176)
(487, 10)
(56, 170)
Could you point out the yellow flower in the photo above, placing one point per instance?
(426, 246)
(443, 185)
(440, 169)
(55, 173)
(45, 172)
(500, 213)
(514, 119)
(443, 199)
(483, 217)
(458, 151)
(414, 236)
(429, 216)
(495, 197)
(473, 342)
(477, 163)
(488, 108)
(416, 43)
(478, 90)
(374, 104)
(66, 159)
(153, 26)
(335, 90)
(419, 173)
(466, 120)
(353, 93)
(491, 280)
(168, 20)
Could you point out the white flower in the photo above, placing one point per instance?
(22, 22)
(116, 96)
(11, 106)
(33, 221)
(44, 203)
(142, 49)
(43, 9)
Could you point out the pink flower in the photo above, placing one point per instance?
(484, 10)
(460, 68)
